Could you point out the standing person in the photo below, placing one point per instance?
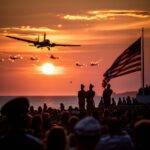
(107, 95)
(90, 98)
(81, 98)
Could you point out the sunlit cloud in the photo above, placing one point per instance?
(108, 14)
(59, 25)
(26, 30)
(125, 26)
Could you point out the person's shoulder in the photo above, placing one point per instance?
(34, 142)
(32, 138)
(123, 141)
(126, 138)
(26, 141)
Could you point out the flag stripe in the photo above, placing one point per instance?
(126, 68)
(127, 72)
(130, 61)
(125, 64)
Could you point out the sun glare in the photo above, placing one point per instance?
(50, 69)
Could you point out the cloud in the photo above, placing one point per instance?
(27, 29)
(136, 25)
(107, 14)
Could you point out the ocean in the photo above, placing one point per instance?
(54, 101)
(51, 101)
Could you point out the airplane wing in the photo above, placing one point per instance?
(55, 44)
(21, 39)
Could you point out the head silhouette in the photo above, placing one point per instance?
(87, 132)
(16, 111)
(82, 86)
(56, 138)
(91, 86)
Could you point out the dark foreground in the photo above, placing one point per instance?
(119, 127)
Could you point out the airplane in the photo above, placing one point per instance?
(79, 65)
(53, 57)
(2, 60)
(94, 64)
(34, 58)
(15, 57)
(40, 44)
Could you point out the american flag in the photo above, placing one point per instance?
(128, 62)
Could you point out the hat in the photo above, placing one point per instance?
(15, 107)
(87, 126)
(91, 85)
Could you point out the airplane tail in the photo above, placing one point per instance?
(38, 39)
(44, 36)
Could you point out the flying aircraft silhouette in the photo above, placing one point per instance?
(2, 60)
(94, 64)
(79, 64)
(34, 58)
(40, 44)
(15, 57)
(53, 57)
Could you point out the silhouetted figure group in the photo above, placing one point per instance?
(128, 101)
(86, 97)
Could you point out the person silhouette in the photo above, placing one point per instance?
(107, 95)
(90, 98)
(16, 113)
(81, 98)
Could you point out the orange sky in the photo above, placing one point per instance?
(104, 29)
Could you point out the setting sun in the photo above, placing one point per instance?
(50, 69)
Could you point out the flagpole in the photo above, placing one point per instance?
(142, 59)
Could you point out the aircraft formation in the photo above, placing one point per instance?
(45, 43)
(35, 58)
(20, 57)
(40, 44)
(92, 63)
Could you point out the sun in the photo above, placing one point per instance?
(47, 69)
(50, 69)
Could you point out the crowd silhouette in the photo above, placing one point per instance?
(110, 126)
